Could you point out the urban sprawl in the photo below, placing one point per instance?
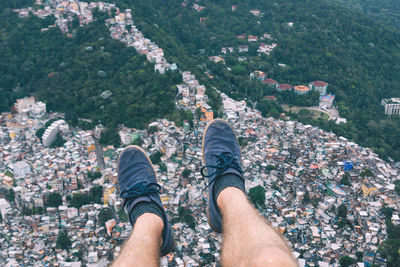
(300, 167)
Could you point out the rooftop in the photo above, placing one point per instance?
(285, 86)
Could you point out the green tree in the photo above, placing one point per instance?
(152, 129)
(346, 261)
(40, 132)
(345, 180)
(271, 167)
(104, 215)
(359, 256)
(79, 255)
(257, 195)
(10, 196)
(96, 193)
(58, 142)
(397, 186)
(306, 198)
(54, 200)
(79, 199)
(137, 142)
(122, 215)
(110, 136)
(163, 167)
(389, 250)
(367, 173)
(63, 241)
(94, 175)
(243, 141)
(185, 216)
(156, 157)
(342, 211)
(186, 173)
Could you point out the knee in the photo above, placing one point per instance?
(272, 257)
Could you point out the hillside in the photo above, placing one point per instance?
(316, 40)
(385, 11)
(70, 74)
(357, 57)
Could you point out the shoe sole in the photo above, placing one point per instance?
(204, 162)
(144, 152)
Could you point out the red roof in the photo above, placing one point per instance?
(269, 81)
(319, 83)
(285, 86)
(301, 88)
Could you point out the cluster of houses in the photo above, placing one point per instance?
(65, 11)
(297, 163)
(319, 86)
(262, 49)
(121, 25)
(122, 28)
(326, 99)
(192, 96)
(32, 170)
(300, 166)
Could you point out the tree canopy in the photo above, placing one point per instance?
(342, 211)
(63, 240)
(104, 215)
(257, 195)
(358, 57)
(346, 261)
(54, 200)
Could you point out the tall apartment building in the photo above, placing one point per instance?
(51, 132)
(391, 105)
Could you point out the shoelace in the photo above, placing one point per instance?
(140, 189)
(225, 160)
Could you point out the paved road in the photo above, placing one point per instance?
(99, 154)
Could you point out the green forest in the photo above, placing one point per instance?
(385, 11)
(70, 74)
(358, 57)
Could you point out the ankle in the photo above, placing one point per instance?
(151, 224)
(228, 180)
(229, 197)
(150, 219)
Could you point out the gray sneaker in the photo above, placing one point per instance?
(137, 183)
(221, 155)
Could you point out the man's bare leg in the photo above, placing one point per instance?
(143, 246)
(248, 240)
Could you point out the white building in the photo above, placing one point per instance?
(320, 86)
(4, 207)
(29, 105)
(23, 105)
(51, 132)
(160, 68)
(38, 110)
(391, 105)
(92, 257)
(21, 169)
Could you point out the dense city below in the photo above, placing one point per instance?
(326, 195)
(336, 202)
